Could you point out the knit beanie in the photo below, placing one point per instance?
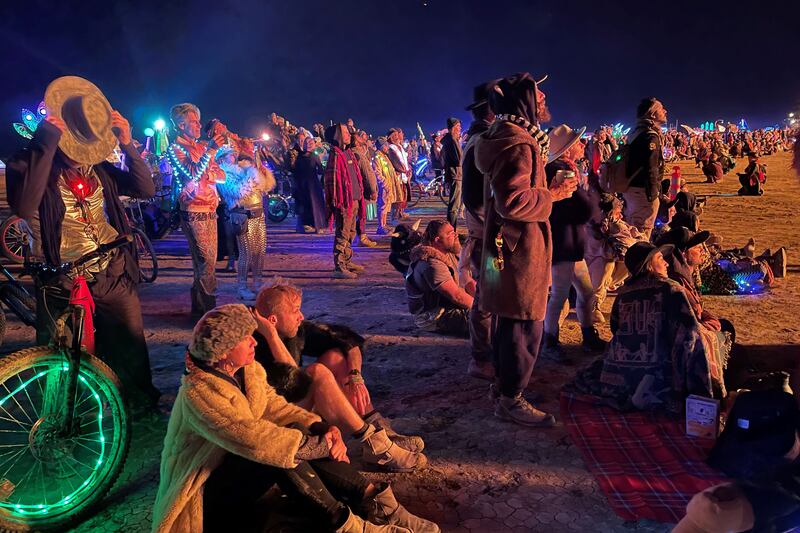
(219, 330)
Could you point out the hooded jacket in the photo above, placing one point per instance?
(517, 206)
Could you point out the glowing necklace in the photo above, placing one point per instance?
(178, 168)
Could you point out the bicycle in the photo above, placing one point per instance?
(65, 426)
(13, 239)
(434, 187)
(280, 203)
(145, 251)
(17, 299)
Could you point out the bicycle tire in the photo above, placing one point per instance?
(19, 301)
(12, 239)
(19, 510)
(416, 194)
(277, 208)
(442, 193)
(145, 256)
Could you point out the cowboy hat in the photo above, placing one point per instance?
(561, 139)
(480, 95)
(88, 138)
(640, 253)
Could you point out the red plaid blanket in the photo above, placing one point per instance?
(643, 462)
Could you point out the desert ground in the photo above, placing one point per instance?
(484, 475)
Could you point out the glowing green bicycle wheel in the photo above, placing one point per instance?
(51, 476)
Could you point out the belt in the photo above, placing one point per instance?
(193, 216)
(251, 213)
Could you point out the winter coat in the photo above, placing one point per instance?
(646, 159)
(568, 219)
(472, 182)
(211, 417)
(451, 158)
(517, 206)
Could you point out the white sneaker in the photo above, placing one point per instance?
(246, 294)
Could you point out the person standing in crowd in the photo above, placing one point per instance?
(243, 191)
(480, 322)
(65, 182)
(515, 272)
(361, 152)
(344, 191)
(399, 159)
(597, 152)
(568, 225)
(645, 166)
(308, 196)
(451, 159)
(436, 152)
(197, 174)
(389, 185)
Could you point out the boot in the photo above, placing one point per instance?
(378, 450)
(245, 293)
(355, 267)
(411, 443)
(592, 342)
(356, 524)
(363, 240)
(385, 509)
(551, 349)
(519, 411)
(777, 262)
(481, 370)
(341, 273)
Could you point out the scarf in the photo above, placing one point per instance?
(541, 138)
(338, 188)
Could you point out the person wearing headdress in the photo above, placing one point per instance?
(197, 174)
(243, 191)
(64, 181)
(515, 270)
(344, 191)
(389, 184)
(307, 191)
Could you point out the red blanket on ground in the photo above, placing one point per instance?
(644, 462)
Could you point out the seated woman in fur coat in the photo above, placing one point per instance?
(231, 437)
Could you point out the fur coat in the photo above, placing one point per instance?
(517, 206)
(212, 417)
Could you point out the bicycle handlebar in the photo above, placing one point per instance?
(102, 250)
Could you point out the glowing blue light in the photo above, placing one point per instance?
(149, 132)
(159, 124)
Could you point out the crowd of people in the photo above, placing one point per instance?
(543, 214)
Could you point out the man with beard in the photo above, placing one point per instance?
(435, 298)
(480, 322)
(517, 249)
(645, 166)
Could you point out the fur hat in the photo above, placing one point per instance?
(219, 330)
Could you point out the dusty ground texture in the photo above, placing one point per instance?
(484, 475)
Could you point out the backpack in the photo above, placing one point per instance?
(614, 172)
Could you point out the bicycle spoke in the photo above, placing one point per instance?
(33, 407)
(14, 398)
(13, 419)
(17, 455)
(96, 452)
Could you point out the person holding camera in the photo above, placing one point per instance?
(197, 174)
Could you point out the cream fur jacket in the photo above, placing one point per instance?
(211, 417)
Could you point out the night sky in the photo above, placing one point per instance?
(394, 62)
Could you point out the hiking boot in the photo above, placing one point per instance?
(341, 273)
(519, 411)
(592, 342)
(480, 370)
(246, 294)
(363, 240)
(356, 524)
(385, 509)
(777, 262)
(551, 349)
(411, 443)
(355, 267)
(379, 451)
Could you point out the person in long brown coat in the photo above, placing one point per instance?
(517, 246)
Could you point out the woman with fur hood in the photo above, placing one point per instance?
(231, 437)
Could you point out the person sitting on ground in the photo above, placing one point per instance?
(753, 177)
(712, 169)
(607, 241)
(231, 437)
(435, 298)
(333, 386)
(657, 355)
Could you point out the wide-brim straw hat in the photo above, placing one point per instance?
(88, 138)
(561, 139)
